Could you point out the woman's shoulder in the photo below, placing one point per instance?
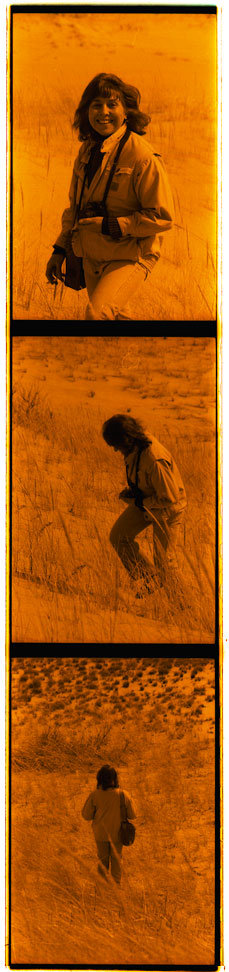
(156, 451)
(124, 791)
(83, 153)
(143, 149)
(92, 795)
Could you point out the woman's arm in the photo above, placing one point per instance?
(163, 482)
(126, 493)
(69, 214)
(89, 809)
(154, 195)
(129, 807)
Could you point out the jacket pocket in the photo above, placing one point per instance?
(150, 247)
(121, 182)
(103, 249)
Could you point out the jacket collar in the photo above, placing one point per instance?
(106, 146)
(133, 452)
(113, 140)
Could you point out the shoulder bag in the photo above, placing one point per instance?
(127, 829)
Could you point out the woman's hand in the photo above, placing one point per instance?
(126, 494)
(110, 227)
(53, 269)
(91, 220)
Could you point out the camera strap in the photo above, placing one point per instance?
(122, 142)
(137, 492)
(81, 194)
(123, 810)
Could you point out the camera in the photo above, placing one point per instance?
(92, 209)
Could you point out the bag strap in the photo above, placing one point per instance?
(122, 142)
(137, 466)
(123, 810)
(77, 208)
(137, 492)
(136, 487)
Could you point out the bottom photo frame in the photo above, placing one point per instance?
(87, 731)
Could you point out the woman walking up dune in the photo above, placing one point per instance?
(103, 807)
(155, 496)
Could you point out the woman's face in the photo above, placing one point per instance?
(125, 448)
(106, 115)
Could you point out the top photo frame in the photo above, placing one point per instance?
(149, 250)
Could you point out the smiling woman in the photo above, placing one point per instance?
(120, 200)
(106, 114)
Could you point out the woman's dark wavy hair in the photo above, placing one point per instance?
(107, 777)
(120, 429)
(101, 86)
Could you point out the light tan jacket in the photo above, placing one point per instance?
(139, 197)
(103, 808)
(158, 478)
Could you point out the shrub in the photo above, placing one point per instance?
(35, 685)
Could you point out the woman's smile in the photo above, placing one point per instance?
(106, 114)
